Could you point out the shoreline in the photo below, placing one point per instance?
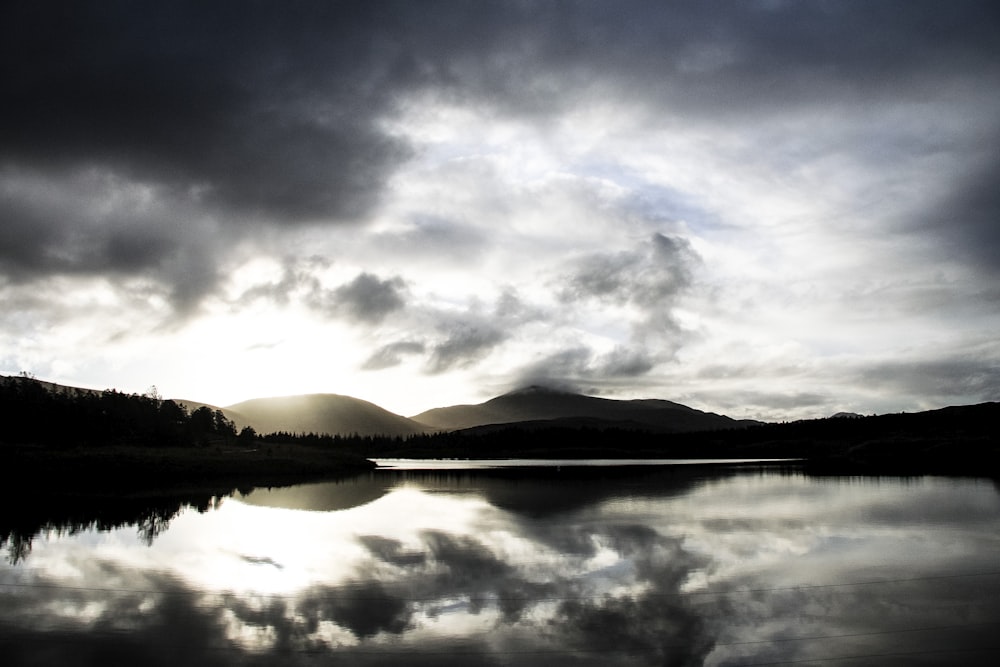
(118, 470)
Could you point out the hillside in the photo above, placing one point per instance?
(534, 404)
(321, 413)
(312, 413)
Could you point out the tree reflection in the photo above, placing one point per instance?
(70, 515)
(156, 521)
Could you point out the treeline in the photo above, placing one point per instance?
(948, 439)
(565, 442)
(31, 413)
(956, 439)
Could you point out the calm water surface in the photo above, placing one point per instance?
(680, 565)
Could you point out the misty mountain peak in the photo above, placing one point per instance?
(537, 390)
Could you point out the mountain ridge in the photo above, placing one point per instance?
(339, 414)
(334, 414)
(540, 404)
(949, 440)
(532, 407)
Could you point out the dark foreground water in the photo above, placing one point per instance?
(626, 566)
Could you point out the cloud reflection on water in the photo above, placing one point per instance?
(663, 568)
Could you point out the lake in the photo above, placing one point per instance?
(527, 565)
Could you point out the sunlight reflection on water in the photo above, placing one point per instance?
(630, 566)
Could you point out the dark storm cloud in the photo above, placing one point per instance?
(457, 339)
(775, 404)
(968, 218)
(255, 114)
(244, 114)
(580, 369)
(952, 376)
(392, 354)
(25, 241)
(367, 298)
(711, 58)
(263, 108)
(622, 362)
(436, 238)
(297, 278)
(48, 231)
(466, 341)
(561, 370)
(652, 277)
(72, 231)
(961, 375)
(274, 109)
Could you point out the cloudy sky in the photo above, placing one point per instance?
(768, 209)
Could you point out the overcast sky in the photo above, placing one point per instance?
(766, 209)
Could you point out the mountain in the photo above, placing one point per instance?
(52, 387)
(536, 404)
(320, 413)
(532, 407)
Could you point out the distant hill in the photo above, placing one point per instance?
(48, 386)
(320, 413)
(541, 404)
(532, 407)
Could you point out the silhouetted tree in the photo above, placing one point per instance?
(201, 423)
(221, 425)
(172, 412)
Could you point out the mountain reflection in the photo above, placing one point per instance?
(322, 496)
(650, 567)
